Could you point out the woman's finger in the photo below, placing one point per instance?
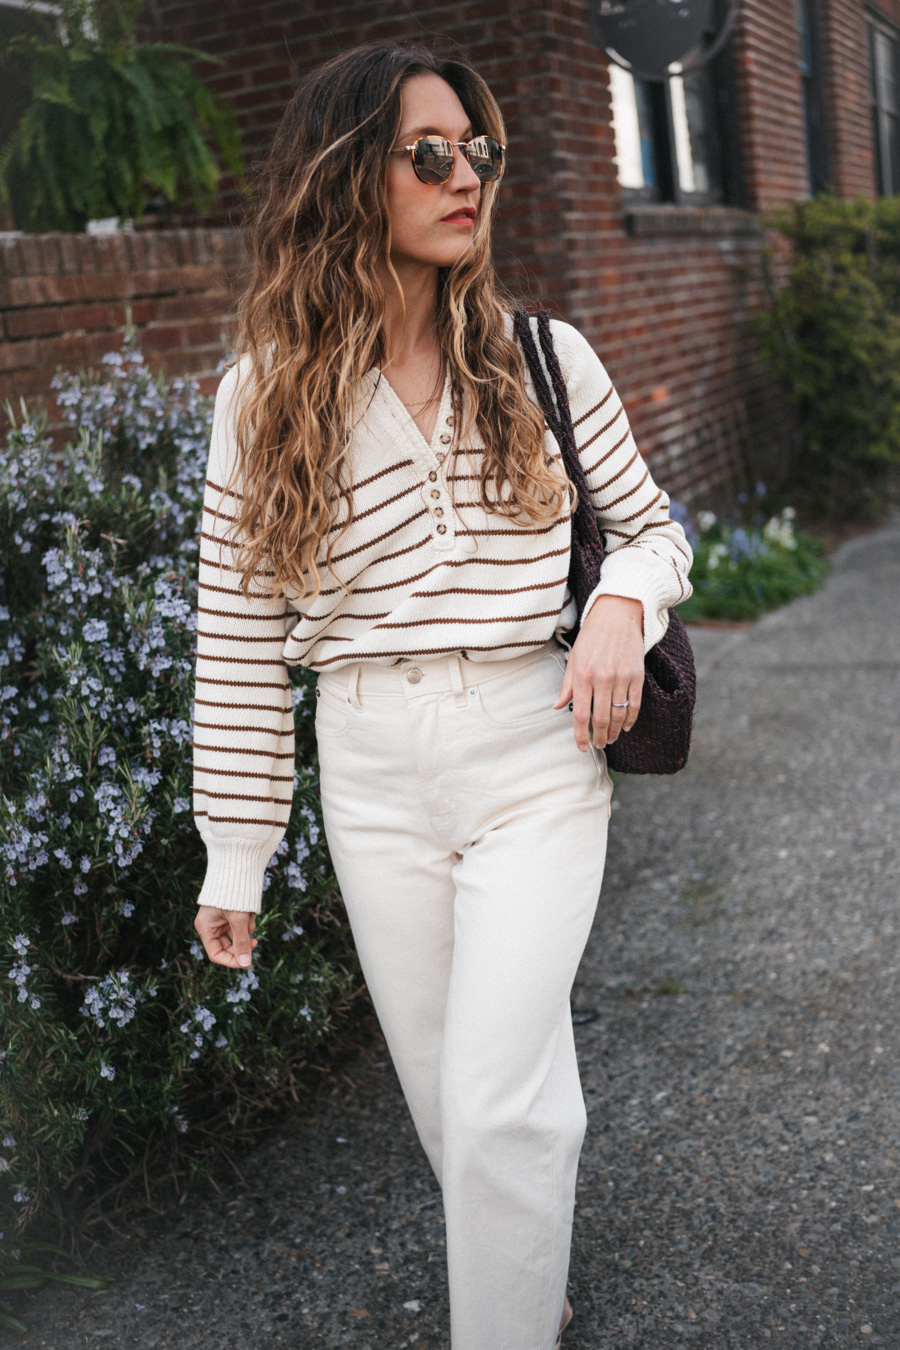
(635, 691)
(619, 707)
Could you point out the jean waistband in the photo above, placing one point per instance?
(413, 676)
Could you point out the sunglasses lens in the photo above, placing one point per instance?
(433, 159)
(485, 156)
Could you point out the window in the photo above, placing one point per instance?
(673, 137)
(884, 58)
(813, 109)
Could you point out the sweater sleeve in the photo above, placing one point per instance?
(647, 554)
(243, 748)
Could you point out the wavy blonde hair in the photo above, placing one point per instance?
(311, 321)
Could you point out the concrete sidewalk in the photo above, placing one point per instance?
(739, 1044)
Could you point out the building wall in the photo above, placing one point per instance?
(664, 293)
(63, 302)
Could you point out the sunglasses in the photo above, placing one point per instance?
(433, 156)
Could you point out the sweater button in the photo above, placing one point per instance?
(450, 420)
(438, 510)
(442, 529)
(432, 478)
(435, 492)
(445, 439)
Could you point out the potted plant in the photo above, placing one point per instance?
(110, 122)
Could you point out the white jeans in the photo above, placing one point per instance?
(468, 835)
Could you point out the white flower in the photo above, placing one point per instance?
(706, 520)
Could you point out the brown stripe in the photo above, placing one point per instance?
(348, 553)
(218, 515)
(236, 637)
(220, 590)
(218, 488)
(427, 651)
(238, 749)
(608, 506)
(250, 731)
(625, 519)
(237, 820)
(364, 482)
(247, 707)
(496, 618)
(596, 492)
(239, 797)
(605, 457)
(650, 525)
(596, 408)
(388, 557)
(462, 562)
(324, 618)
(240, 614)
(242, 660)
(475, 590)
(243, 684)
(226, 567)
(519, 530)
(427, 623)
(590, 440)
(379, 506)
(243, 773)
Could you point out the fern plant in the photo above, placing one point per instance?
(110, 122)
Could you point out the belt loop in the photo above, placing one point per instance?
(353, 685)
(456, 680)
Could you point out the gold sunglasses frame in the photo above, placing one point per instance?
(455, 145)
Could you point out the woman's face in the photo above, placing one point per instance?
(431, 224)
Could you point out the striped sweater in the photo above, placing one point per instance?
(430, 572)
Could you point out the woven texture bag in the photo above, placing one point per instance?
(660, 740)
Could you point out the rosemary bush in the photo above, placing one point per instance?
(116, 1029)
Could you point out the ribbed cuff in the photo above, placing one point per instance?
(234, 874)
(635, 580)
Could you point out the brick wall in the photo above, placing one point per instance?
(664, 293)
(63, 300)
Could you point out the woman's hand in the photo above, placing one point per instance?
(606, 666)
(226, 935)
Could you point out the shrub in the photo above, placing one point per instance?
(741, 570)
(116, 1028)
(831, 334)
(110, 121)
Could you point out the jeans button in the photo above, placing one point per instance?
(414, 675)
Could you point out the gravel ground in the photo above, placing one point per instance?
(739, 1183)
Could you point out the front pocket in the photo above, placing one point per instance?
(524, 697)
(332, 712)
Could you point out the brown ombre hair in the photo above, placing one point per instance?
(311, 321)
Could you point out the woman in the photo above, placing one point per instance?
(385, 507)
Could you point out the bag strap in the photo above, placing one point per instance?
(559, 417)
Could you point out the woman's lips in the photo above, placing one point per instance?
(459, 218)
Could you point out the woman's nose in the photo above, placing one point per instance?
(463, 177)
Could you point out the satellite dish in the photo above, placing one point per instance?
(646, 37)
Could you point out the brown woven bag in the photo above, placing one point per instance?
(660, 740)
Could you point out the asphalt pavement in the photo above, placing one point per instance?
(739, 1045)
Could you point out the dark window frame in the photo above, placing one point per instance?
(719, 78)
(809, 33)
(887, 165)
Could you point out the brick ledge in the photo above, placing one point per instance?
(645, 221)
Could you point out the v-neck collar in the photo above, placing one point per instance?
(401, 413)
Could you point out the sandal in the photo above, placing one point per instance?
(566, 1319)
